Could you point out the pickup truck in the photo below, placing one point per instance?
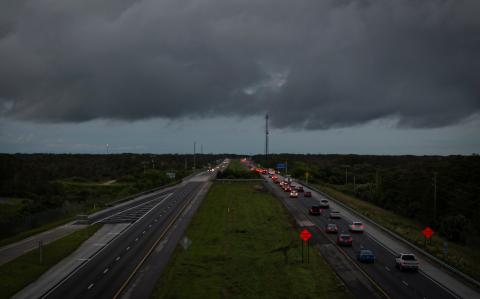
(406, 261)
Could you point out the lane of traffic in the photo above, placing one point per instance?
(399, 284)
(104, 274)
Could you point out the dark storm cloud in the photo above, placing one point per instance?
(310, 64)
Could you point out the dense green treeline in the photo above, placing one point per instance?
(403, 184)
(36, 189)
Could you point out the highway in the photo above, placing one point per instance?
(108, 273)
(393, 283)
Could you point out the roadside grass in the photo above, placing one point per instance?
(25, 269)
(462, 257)
(37, 230)
(237, 235)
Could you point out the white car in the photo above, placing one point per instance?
(356, 227)
(406, 261)
(294, 194)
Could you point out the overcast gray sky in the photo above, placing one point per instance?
(336, 76)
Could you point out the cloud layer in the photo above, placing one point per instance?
(310, 64)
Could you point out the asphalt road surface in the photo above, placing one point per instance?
(395, 284)
(108, 271)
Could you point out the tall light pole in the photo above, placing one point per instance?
(266, 137)
(435, 195)
(194, 153)
(346, 175)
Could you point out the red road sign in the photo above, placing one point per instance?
(305, 235)
(427, 232)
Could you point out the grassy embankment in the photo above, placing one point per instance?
(25, 269)
(237, 236)
(80, 196)
(464, 258)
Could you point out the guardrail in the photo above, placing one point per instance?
(448, 267)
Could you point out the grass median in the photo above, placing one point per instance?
(25, 269)
(464, 258)
(236, 252)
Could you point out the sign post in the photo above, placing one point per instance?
(305, 235)
(40, 251)
(427, 233)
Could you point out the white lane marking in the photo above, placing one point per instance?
(90, 286)
(135, 207)
(105, 271)
(83, 259)
(118, 257)
(128, 248)
(103, 248)
(136, 239)
(386, 268)
(405, 283)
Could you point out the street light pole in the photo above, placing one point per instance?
(435, 195)
(194, 155)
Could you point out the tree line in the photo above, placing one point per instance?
(440, 191)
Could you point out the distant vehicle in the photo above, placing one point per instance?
(406, 261)
(366, 256)
(299, 189)
(293, 194)
(324, 203)
(344, 240)
(356, 227)
(287, 189)
(331, 228)
(307, 194)
(315, 210)
(335, 215)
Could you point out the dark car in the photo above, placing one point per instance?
(315, 210)
(299, 189)
(307, 194)
(331, 228)
(366, 256)
(344, 240)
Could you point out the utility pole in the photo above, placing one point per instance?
(266, 137)
(194, 157)
(201, 148)
(435, 196)
(354, 185)
(107, 148)
(186, 163)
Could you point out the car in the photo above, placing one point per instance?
(307, 194)
(287, 189)
(406, 261)
(315, 210)
(344, 240)
(366, 256)
(331, 228)
(299, 189)
(324, 203)
(293, 194)
(335, 215)
(356, 227)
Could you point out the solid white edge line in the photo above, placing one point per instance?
(100, 250)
